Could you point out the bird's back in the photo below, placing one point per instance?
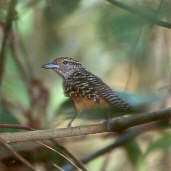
(91, 91)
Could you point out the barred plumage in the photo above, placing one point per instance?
(85, 88)
(93, 88)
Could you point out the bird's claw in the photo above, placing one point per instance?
(69, 124)
(108, 125)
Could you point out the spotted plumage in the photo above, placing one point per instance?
(84, 88)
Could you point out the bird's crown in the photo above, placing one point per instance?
(66, 61)
(64, 66)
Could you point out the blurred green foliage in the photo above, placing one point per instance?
(125, 27)
(56, 11)
(126, 51)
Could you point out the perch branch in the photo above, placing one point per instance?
(116, 125)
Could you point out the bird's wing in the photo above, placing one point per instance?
(105, 92)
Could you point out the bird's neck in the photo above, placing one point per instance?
(76, 75)
(72, 80)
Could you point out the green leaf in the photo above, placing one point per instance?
(134, 153)
(160, 144)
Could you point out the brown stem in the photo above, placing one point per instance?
(7, 29)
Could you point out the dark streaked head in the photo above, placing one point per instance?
(64, 66)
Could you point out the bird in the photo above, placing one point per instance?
(88, 91)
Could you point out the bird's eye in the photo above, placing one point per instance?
(65, 62)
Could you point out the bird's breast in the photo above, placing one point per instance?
(82, 103)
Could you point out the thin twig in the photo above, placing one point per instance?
(7, 29)
(77, 161)
(17, 155)
(140, 13)
(15, 126)
(59, 153)
(57, 167)
(116, 125)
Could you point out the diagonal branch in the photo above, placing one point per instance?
(17, 155)
(123, 138)
(116, 125)
(140, 13)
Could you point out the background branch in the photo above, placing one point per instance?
(8, 25)
(140, 13)
(22, 72)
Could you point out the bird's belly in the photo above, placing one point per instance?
(82, 103)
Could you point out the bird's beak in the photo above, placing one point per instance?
(50, 65)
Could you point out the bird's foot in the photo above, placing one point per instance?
(70, 123)
(108, 125)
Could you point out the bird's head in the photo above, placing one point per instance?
(64, 66)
